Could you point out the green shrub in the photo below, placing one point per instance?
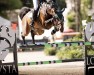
(63, 53)
(71, 20)
(75, 38)
(70, 52)
(50, 51)
(90, 52)
(75, 53)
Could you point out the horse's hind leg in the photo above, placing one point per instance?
(32, 35)
(23, 38)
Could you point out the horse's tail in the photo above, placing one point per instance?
(23, 11)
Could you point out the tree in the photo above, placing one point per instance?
(85, 6)
(78, 17)
(27, 3)
(75, 7)
(10, 4)
(61, 3)
(6, 5)
(92, 5)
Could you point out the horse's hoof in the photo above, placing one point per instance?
(24, 45)
(53, 32)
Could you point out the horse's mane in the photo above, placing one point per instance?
(23, 11)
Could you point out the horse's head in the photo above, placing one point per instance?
(56, 15)
(58, 20)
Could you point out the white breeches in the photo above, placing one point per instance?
(35, 4)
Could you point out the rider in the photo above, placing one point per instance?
(36, 4)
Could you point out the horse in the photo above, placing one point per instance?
(47, 17)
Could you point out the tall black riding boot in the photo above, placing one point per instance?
(34, 18)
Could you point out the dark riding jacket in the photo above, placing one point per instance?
(41, 1)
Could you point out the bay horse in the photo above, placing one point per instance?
(47, 17)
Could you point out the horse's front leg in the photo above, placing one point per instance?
(62, 27)
(24, 42)
(53, 35)
(52, 38)
(32, 35)
(54, 31)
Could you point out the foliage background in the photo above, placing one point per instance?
(79, 10)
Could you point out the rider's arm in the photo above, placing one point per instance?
(35, 4)
(42, 1)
